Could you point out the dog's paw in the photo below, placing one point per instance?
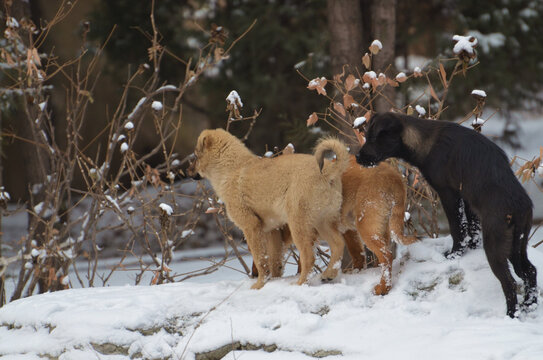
(330, 273)
(451, 255)
(326, 279)
(301, 281)
(258, 285)
(530, 301)
(381, 289)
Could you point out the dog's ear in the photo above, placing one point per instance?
(207, 141)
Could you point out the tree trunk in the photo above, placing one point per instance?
(2, 277)
(345, 26)
(384, 29)
(37, 159)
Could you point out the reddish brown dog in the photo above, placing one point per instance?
(373, 209)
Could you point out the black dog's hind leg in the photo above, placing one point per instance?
(451, 202)
(497, 242)
(524, 268)
(473, 235)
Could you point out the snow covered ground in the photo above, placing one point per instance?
(437, 309)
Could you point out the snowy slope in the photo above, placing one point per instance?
(437, 309)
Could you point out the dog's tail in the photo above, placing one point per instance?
(336, 153)
(396, 222)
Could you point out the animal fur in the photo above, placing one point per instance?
(373, 209)
(372, 214)
(262, 195)
(469, 172)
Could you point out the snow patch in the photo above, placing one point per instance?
(124, 147)
(377, 43)
(359, 121)
(166, 208)
(401, 76)
(420, 110)
(464, 43)
(234, 99)
(480, 93)
(156, 105)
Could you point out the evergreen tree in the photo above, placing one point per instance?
(509, 50)
(287, 36)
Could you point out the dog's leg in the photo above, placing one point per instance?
(473, 227)
(275, 245)
(451, 202)
(304, 239)
(524, 268)
(497, 240)
(356, 249)
(256, 241)
(335, 240)
(373, 229)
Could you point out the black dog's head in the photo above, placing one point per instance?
(383, 139)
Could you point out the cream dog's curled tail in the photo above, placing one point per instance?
(335, 151)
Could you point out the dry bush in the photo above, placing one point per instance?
(123, 194)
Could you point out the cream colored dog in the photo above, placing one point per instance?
(372, 214)
(262, 195)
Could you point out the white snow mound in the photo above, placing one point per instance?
(437, 309)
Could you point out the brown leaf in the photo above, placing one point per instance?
(367, 115)
(366, 60)
(313, 118)
(7, 57)
(36, 57)
(360, 137)
(369, 76)
(401, 77)
(337, 77)
(382, 79)
(374, 49)
(318, 84)
(350, 82)
(219, 54)
(393, 83)
(443, 75)
(348, 100)
(433, 93)
(154, 281)
(339, 108)
(410, 110)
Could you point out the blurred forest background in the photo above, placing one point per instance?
(291, 41)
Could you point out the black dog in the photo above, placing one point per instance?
(469, 172)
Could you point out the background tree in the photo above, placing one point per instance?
(287, 36)
(383, 25)
(22, 109)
